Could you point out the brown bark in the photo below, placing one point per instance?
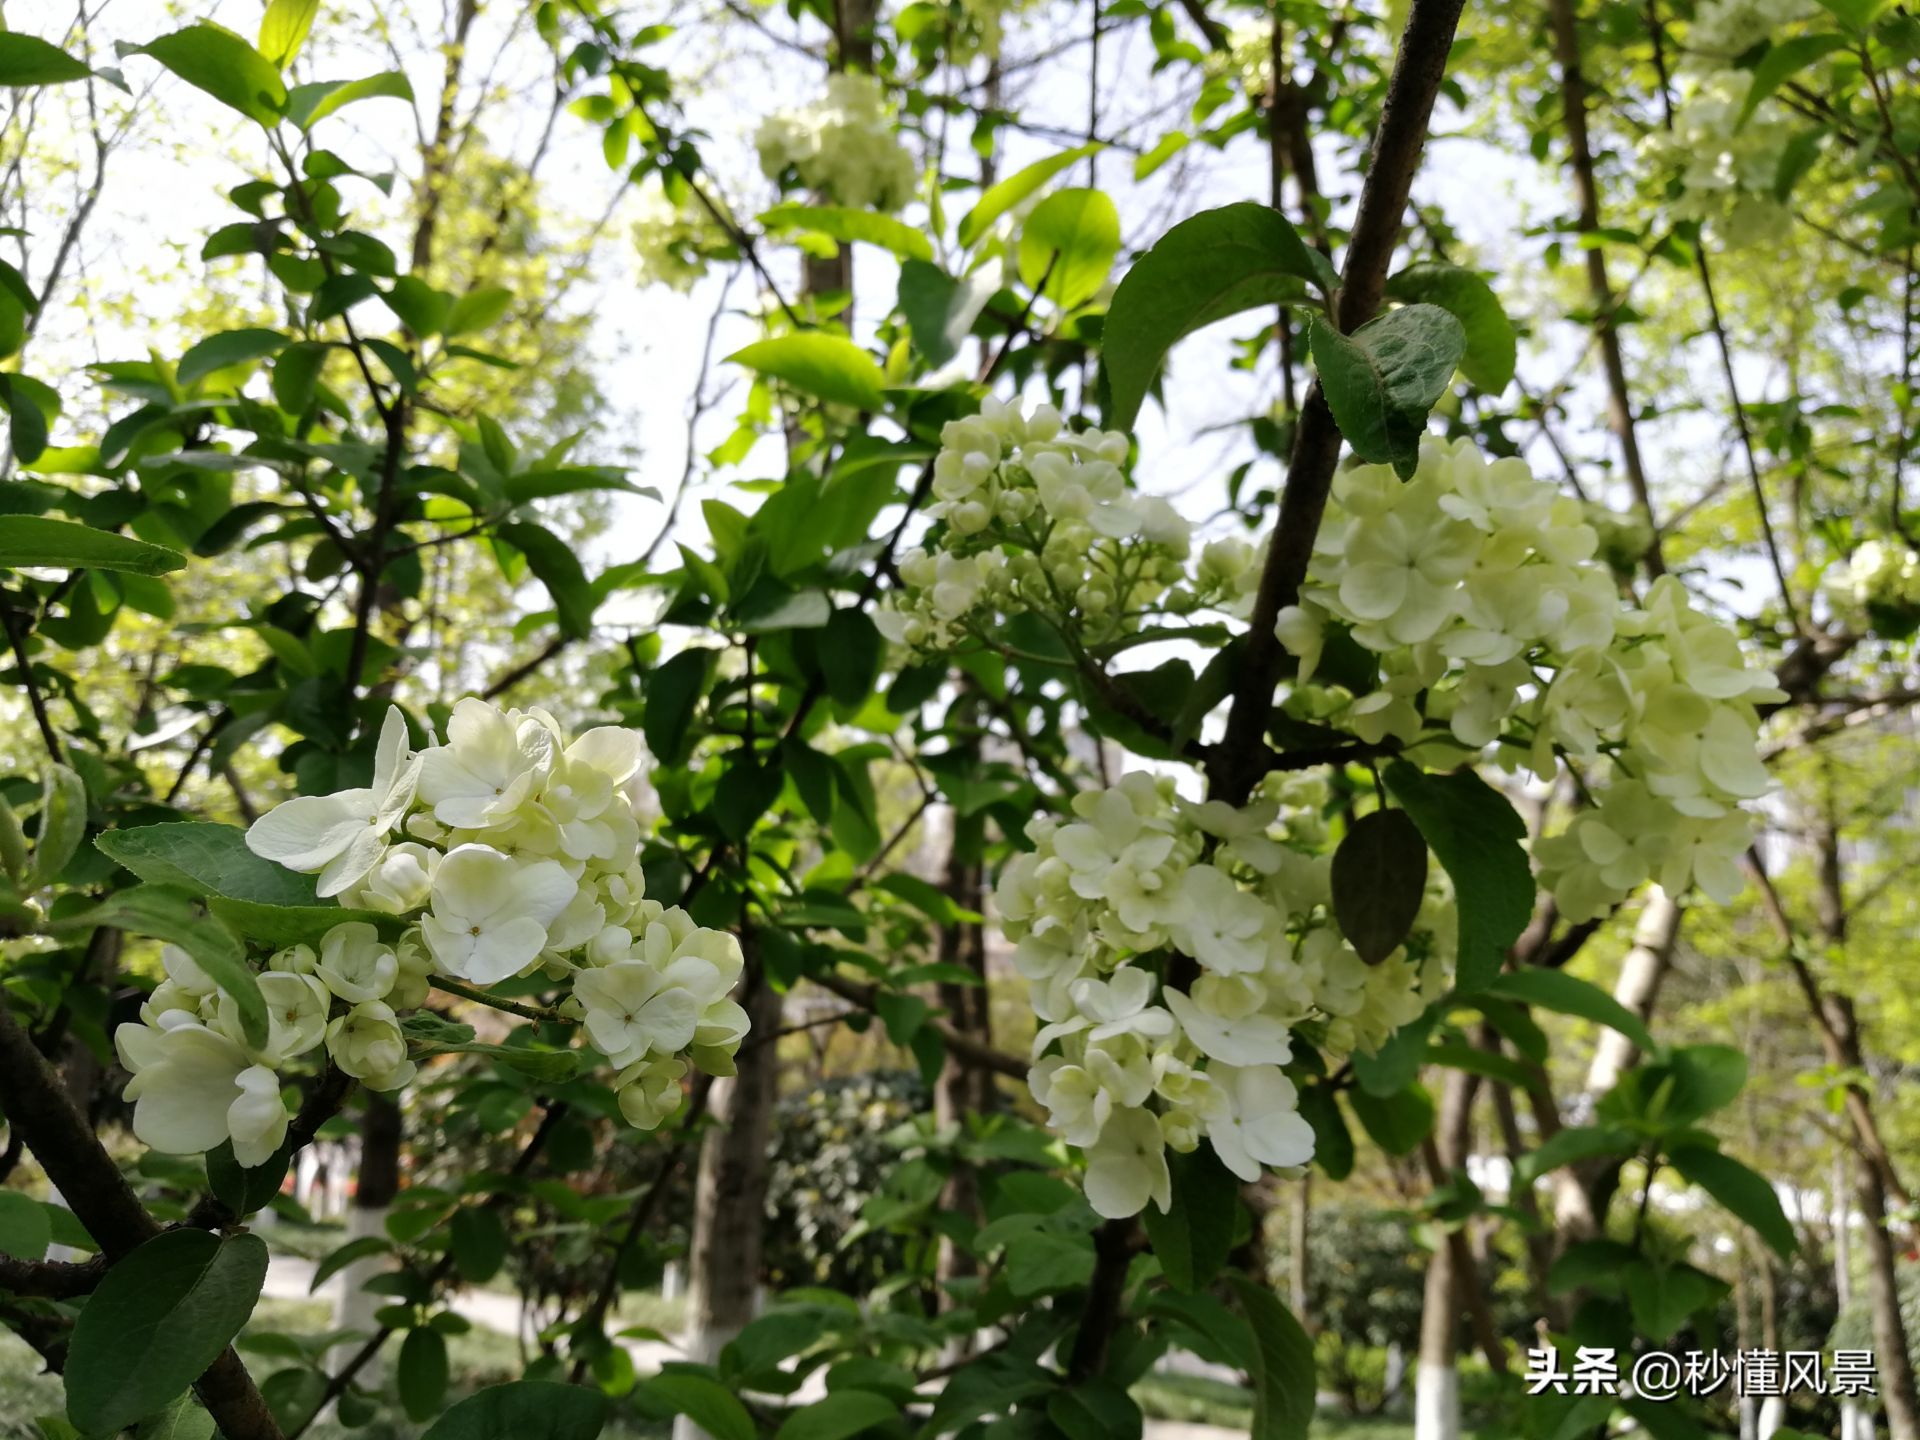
(961, 1089)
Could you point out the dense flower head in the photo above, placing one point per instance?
(843, 145)
(1472, 586)
(1879, 581)
(1036, 517)
(1173, 948)
(510, 851)
(674, 241)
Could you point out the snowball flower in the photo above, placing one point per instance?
(1226, 1025)
(490, 912)
(633, 1010)
(1077, 1104)
(368, 1043)
(1127, 1166)
(649, 1092)
(398, 883)
(1263, 1125)
(488, 768)
(186, 1077)
(257, 1120)
(342, 836)
(355, 965)
(296, 1013)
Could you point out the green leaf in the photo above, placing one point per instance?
(61, 544)
(1332, 1140)
(1193, 1239)
(211, 58)
(1015, 188)
(940, 310)
(278, 926)
(672, 692)
(283, 29)
(1397, 1123)
(338, 1259)
(709, 1404)
(240, 1189)
(171, 915)
(235, 347)
(308, 105)
(1491, 346)
(1070, 240)
(161, 1316)
(478, 309)
(524, 1410)
(25, 1231)
(26, 417)
(850, 656)
(837, 1415)
(479, 1243)
(1780, 64)
(1857, 15)
(1477, 835)
(1572, 1145)
(1566, 994)
(1095, 1409)
(63, 821)
(556, 566)
(29, 60)
(1663, 1297)
(205, 859)
(423, 1373)
(1283, 1378)
(1218, 263)
(184, 1419)
(1379, 880)
(1745, 1194)
(744, 794)
(574, 480)
(826, 367)
(837, 222)
(1381, 381)
(1039, 1261)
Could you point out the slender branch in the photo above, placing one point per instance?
(17, 630)
(963, 1047)
(542, 1013)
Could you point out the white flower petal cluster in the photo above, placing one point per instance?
(1037, 517)
(1130, 1065)
(673, 243)
(843, 145)
(1878, 583)
(520, 856)
(1473, 585)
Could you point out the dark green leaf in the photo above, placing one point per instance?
(25, 1231)
(1566, 994)
(1747, 1195)
(1477, 836)
(205, 859)
(244, 1190)
(63, 545)
(707, 1403)
(1397, 1123)
(672, 692)
(160, 1317)
(234, 347)
(1283, 1378)
(524, 1410)
(1379, 881)
(1491, 346)
(552, 560)
(1095, 1409)
(1193, 1239)
(1381, 381)
(29, 60)
(423, 1373)
(838, 1415)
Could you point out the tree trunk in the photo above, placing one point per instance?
(1436, 1406)
(730, 1193)
(962, 1090)
(381, 1132)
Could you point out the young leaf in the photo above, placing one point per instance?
(308, 105)
(477, 309)
(1216, 264)
(283, 29)
(524, 1410)
(29, 60)
(234, 347)
(1566, 994)
(1379, 880)
(1381, 381)
(63, 545)
(826, 367)
(63, 822)
(838, 222)
(159, 1319)
(1780, 64)
(1015, 188)
(1477, 836)
(211, 58)
(1070, 240)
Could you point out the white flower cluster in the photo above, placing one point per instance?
(1037, 517)
(1472, 585)
(1879, 577)
(1130, 1064)
(508, 851)
(673, 242)
(1724, 30)
(842, 146)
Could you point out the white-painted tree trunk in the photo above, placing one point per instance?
(353, 1307)
(1436, 1403)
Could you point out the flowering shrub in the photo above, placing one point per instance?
(509, 851)
(842, 146)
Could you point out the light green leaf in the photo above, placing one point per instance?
(29, 60)
(1477, 835)
(1566, 994)
(308, 105)
(478, 310)
(824, 366)
(1213, 265)
(1382, 380)
(1017, 187)
(573, 480)
(60, 544)
(214, 59)
(1070, 240)
(524, 1410)
(1491, 346)
(1780, 64)
(838, 222)
(283, 29)
(234, 347)
(159, 1319)
(63, 823)
(25, 1231)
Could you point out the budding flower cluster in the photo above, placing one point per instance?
(1130, 1064)
(512, 850)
